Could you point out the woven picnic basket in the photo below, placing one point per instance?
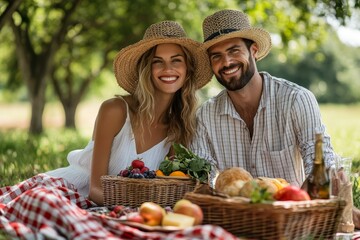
(133, 192)
(315, 219)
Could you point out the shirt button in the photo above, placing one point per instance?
(253, 166)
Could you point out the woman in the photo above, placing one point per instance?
(161, 73)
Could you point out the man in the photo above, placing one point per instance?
(261, 123)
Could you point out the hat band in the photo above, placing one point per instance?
(220, 32)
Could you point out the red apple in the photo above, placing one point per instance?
(152, 213)
(186, 207)
(291, 193)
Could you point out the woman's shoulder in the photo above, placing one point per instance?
(114, 106)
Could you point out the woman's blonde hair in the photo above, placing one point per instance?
(181, 114)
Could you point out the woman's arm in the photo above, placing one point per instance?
(110, 119)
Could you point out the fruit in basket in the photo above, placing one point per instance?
(159, 173)
(231, 180)
(124, 173)
(152, 213)
(137, 163)
(177, 174)
(144, 169)
(178, 220)
(186, 207)
(291, 193)
(186, 161)
(137, 170)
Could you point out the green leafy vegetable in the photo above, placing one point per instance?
(260, 195)
(187, 162)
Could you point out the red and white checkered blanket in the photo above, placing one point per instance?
(43, 207)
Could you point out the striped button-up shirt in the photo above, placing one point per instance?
(282, 145)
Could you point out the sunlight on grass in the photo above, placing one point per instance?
(342, 123)
(23, 156)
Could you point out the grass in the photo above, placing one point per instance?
(23, 156)
(342, 124)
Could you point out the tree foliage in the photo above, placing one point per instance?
(71, 43)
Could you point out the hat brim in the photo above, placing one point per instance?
(125, 63)
(258, 35)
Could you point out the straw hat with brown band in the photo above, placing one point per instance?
(226, 24)
(125, 63)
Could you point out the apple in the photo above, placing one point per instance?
(291, 193)
(186, 207)
(178, 220)
(152, 213)
(135, 217)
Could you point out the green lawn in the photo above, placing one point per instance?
(343, 125)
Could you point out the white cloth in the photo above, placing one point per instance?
(283, 139)
(123, 151)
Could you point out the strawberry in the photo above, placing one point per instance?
(118, 208)
(137, 163)
(112, 214)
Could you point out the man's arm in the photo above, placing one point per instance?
(307, 119)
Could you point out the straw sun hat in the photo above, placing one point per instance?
(125, 63)
(226, 24)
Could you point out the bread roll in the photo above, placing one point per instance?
(231, 180)
(280, 183)
(249, 186)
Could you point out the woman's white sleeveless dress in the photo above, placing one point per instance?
(123, 151)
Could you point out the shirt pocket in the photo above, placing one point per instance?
(283, 164)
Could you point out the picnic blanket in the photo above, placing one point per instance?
(44, 207)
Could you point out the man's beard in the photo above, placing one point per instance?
(235, 83)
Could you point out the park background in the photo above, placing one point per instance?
(56, 66)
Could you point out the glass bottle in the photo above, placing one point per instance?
(318, 185)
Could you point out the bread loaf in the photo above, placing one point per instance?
(231, 180)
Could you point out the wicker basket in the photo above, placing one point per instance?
(133, 192)
(316, 219)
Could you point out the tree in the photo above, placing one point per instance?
(72, 42)
(10, 9)
(35, 55)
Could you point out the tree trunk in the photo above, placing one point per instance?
(70, 111)
(37, 110)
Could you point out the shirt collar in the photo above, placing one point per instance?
(226, 106)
